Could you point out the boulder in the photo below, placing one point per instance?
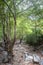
(5, 56)
(28, 57)
(41, 61)
(36, 58)
(1, 49)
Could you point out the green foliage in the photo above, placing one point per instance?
(25, 25)
(34, 40)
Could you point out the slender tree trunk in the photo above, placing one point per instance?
(14, 22)
(15, 30)
(3, 23)
(36, 29)
(9, 25)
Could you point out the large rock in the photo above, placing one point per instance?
(1, 49)
(36, 58)
(2, 44)
(8, 64)
(1, 58)
(41, 52)
(28, 57)
(4, 56)
(41, 61)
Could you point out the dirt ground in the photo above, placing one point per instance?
(19, 52)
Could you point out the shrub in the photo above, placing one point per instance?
(33, 39)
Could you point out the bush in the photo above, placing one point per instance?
(40, 39)
(33, 39)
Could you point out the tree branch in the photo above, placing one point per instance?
(8, 7)
(23, 11)
(19, 2)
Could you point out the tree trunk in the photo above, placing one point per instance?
(3, 23)
(14, 30)
(14, 22)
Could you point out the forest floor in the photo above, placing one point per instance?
(25, 55)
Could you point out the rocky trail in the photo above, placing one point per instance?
(24, 55)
